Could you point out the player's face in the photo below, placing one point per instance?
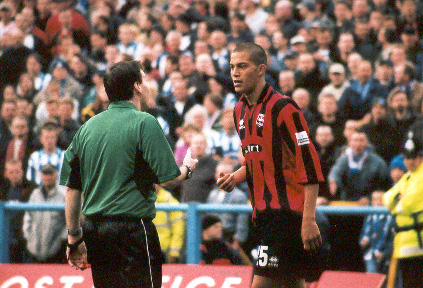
(245, 74)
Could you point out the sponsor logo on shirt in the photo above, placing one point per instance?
(252, 148)
(260, 120)
(241, 124)
(302, 138)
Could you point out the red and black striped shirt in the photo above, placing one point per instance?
(279, 156)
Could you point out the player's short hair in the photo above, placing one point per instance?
(257, 53)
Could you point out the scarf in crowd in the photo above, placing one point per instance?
(355, 162)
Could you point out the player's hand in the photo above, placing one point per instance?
(78, 259)
(310, 234)
(226, 182)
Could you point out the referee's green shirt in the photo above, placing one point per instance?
(115, 158)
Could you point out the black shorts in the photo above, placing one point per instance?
(281, 251)
(123, 252)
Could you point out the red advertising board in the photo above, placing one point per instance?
(174, 276)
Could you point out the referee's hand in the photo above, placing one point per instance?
(77, 259)
(311, 235)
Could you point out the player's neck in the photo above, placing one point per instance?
(254, 96)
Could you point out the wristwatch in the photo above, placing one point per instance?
(75, 232)
(189, 172)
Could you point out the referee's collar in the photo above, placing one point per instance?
(266, 90)
(122, 104)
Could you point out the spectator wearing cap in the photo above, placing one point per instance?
(284, 12)
(49, 154)
(255, 16)
(405, 81)
(45, 231)
(379, 132)
(357, 99)
(214, 251)
(298, 44)
(338, 82)
(404, 202)
(397, 168)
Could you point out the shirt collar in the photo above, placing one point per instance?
(263, 95)
(122, 104)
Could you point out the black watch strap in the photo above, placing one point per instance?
(189, 172)
(73, 247)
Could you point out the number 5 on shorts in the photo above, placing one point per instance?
(262, 256)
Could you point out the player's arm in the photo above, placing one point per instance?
(309, 231)
(227, 182)
(76, 252)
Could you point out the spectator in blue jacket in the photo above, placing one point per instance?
(375, 238)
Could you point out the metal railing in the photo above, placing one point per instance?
(193, 220)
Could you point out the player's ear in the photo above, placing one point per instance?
(262, 69)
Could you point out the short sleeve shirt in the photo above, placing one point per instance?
(115, 159)
(279, 156)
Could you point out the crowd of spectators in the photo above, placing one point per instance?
(354, 67)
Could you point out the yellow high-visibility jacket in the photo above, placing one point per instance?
(170, 226)
(405, 201)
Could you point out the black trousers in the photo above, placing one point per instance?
(123, 252)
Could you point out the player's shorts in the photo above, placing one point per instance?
(281, 250)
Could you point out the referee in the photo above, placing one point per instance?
(112, 164)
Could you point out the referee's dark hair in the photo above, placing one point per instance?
(119, 80)
(257, 53)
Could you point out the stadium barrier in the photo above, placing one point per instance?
(193, 223)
